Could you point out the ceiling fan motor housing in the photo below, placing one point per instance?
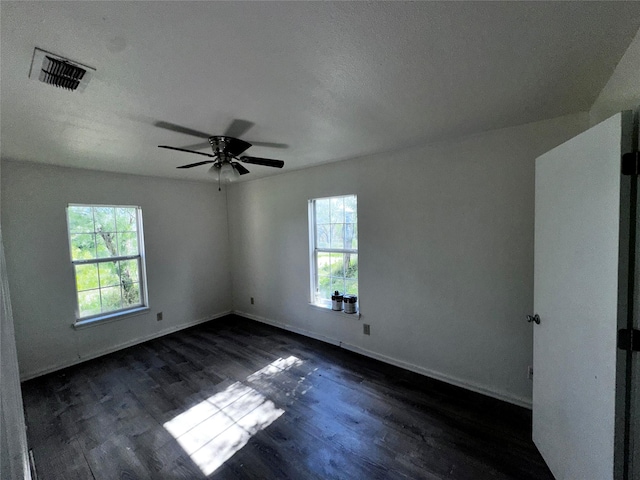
(229, 147)
(218, 142)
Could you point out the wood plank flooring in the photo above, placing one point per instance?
(236, 399)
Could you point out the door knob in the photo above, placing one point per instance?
(534, 318)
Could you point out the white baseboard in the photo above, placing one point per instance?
(289, 328)
(121, 346)
(474, 387)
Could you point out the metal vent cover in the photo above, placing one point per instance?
(59, 71)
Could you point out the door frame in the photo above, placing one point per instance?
(631, 360)
(628, 305)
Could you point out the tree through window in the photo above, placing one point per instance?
(107, 254)
(334, 247)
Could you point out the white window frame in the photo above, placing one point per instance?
(142, 270)
(314, 250)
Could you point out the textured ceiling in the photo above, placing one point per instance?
(330, 80)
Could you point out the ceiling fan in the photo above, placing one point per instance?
(227, 148)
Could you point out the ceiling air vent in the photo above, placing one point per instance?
(59, 71)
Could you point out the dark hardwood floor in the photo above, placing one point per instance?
(234, 399)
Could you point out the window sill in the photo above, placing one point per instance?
(335, 312)
(111, 317)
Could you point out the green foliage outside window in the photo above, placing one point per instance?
(332, 276)
(336, 228)
(98, 234)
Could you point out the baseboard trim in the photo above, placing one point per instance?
(474, 387)
(122, 346)
(289, 328)
(505, 397)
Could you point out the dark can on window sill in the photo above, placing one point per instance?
(350, 303)
(336, 301)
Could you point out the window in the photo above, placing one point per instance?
(333, 233)
(107, 252)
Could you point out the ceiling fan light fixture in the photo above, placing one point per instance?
(228, 173)
(224, 172)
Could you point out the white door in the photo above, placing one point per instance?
(576, 288)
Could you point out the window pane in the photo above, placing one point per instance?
(131, 295)
(351, 286)
(89, 303)
(80, 219)
(129, 279)
(337, 284)
(105, 218)
(323, 263)
(351, 261)
(97, 233)
(323, 233)
(337, 210)
(129, 270)
(83, 246)
(111, 299)
(127, 243)
(337, 265)
(351, 209)
(335, 228)
(337, 235)
(351, 236)
(324, 288)
(109, 274)
(126, 219)
(323, 207)
(86, 277)
(106, 244)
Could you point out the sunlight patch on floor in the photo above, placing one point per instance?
(216, 428)
(275, 367)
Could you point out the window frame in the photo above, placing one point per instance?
(314, 250)
(142, 270)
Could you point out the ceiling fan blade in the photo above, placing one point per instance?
(177, 128)
(240, 168)
(238, 128)
(270, 144)
(188, 151)
(197, 146)
(235, 146)
(267, 162)
(197, 164)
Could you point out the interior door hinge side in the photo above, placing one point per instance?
(629, 339)
(631, 163)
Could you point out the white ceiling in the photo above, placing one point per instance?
(330, 80)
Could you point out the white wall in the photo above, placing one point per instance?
(186, 238)
(622, 91)
(445, 259)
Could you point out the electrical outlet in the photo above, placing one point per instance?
(366, 329)
(252, 301)
(159, 316)
(530, 372)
